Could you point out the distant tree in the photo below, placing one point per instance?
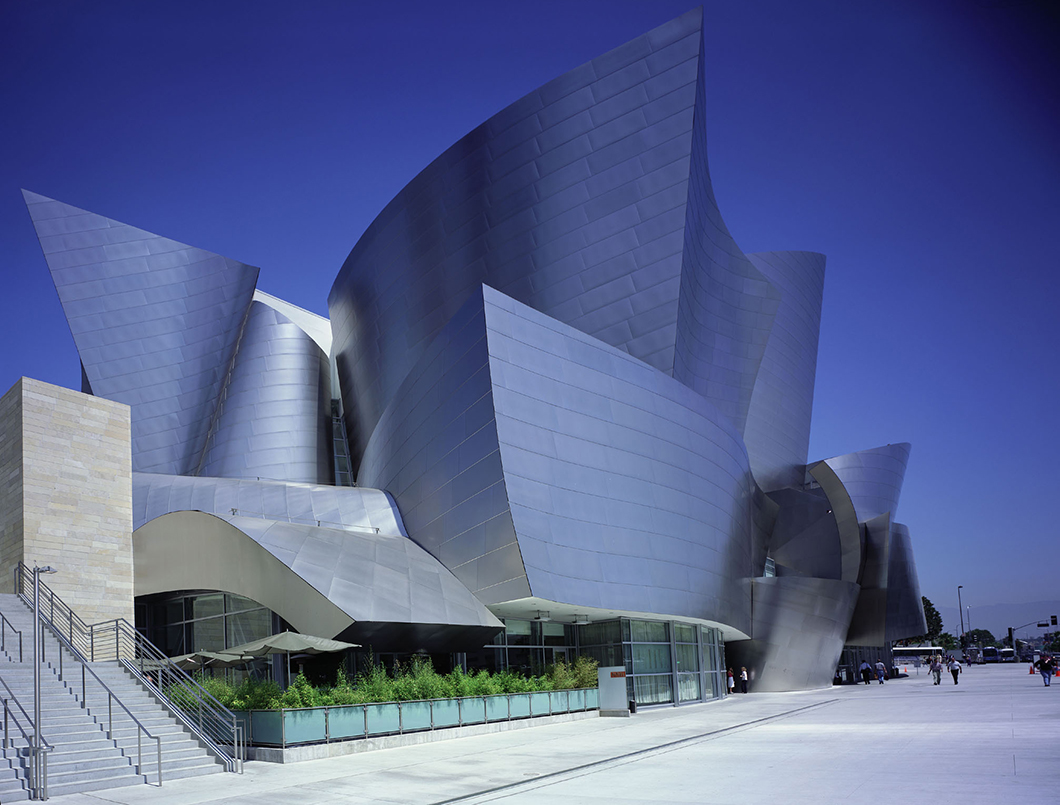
(977, 636)
(947, 642)
(934, 625)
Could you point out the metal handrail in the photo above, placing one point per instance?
(39, 791)
(111, 698)
(209, 720)
(3, 635)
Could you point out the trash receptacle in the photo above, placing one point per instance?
(632, 706)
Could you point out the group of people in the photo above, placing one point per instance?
(867, 671)
(938, 663)
(732, 680)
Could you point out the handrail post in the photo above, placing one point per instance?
(110, 716)
(158, 740)
(139, 751)
(7, 741)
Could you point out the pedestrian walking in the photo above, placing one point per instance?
(881, 671)
(955, 668)
(731, 681)
(936, 668)
(866, 671)
(743, 679)
(1047, 667)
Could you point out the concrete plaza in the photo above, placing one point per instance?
(992, 738)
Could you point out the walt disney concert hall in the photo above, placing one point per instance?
(555, 410)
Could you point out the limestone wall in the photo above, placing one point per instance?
(75, 501)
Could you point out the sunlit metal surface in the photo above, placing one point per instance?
(155, 322)
(905, 607)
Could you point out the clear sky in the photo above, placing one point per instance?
(915, 142)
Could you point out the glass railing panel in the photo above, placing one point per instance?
(473, 710)
(383, 718)
(539, 704)
(304, 726)
(267, 727)
(520, 705)
(560, 701)
(446, 713)
(497, 708)
(415, 716)
(346, 722)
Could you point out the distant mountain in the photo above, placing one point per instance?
(997, 618)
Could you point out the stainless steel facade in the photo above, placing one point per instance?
(563, 383)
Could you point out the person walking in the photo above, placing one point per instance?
(743, 679)
(1047, 667)
(731, 681)
(955, 669)
(866, 671)
(881, 671)
(936, 668)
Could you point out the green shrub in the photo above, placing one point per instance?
(585, 672)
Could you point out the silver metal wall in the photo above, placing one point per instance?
(571, 200)
(777, 434)
(155, 322)
(275, 411)
(905, 607)
(607, 483)
(873, 478)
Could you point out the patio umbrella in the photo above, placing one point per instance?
(215, 659)
(290, 643)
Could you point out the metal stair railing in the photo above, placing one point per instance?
(37, 776)
(198, 710)
(6, 624)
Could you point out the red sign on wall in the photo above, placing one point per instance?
(615, 674)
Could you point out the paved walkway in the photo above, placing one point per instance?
(993, 738)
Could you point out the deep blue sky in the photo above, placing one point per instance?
(914, 143)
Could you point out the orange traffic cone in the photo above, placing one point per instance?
(1031, 669)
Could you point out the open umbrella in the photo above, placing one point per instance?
(215, 659)
(290, 643)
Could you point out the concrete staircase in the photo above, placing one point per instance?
(84, 758)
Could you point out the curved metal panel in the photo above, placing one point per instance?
(343, 507)
(851, 536)
(318, 579)
(905, 607)
(726, 305)
(805, 540)
(868, 626)
(799, 627)
(618, 487)
(275, 411)
(777, 434)
(873, 478)
(155, 322)
(571, 200)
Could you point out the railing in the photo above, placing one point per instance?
(38, 755)
(112, 697)
(3, 635)
(209, 720)
(299, 726)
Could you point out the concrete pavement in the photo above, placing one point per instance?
(992, 738)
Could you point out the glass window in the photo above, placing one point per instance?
(247, 626)
(687, 657)
(653, 689)
(208, 635)
(650, 632)
(653, 659)
(237, 603)
(205, 606)
(595, 634)
(556, 634)
(683, 633)
(517, 632)
(688, 687)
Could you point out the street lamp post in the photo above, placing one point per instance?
(960, 608)
(36, 676)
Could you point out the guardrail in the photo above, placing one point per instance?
(6, 624)
(299, 726)
(210, 721)
(37, 774)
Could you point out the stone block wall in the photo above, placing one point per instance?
(68, 502)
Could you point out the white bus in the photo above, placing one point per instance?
(1008, 655)
(914, 655)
